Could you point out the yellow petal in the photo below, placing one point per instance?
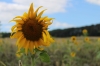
(45, 26)
(13, 27)
(35, 14)
(42, 18)
(36, 45)
(19, 28)
(25, 14)
(16, 35)
(44, 37)
(31, 47)
(21, 17)
(18, 25)
(20, 21)
(42, 42)
(42, 23)
(21, 40)
(48, 19)
(30, 12)
(26, 46)
(48, 23)
(38, 17)
(48, 43)
(48, 36)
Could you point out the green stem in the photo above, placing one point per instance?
(2, 63)
(33, 60)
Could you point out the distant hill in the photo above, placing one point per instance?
(93, 30)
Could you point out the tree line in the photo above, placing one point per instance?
(93, 30)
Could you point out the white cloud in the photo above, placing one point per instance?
(97, 2)
(9, 10)
(60, 25)
(53, 6)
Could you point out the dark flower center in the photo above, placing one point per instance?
(32, 30)
(73, 38)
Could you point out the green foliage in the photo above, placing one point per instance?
(57, 53)
(44, 56)
(98, 56)
(22, 50)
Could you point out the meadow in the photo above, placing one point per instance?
(72, 51)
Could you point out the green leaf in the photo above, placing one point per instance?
(44, 56)
(36, 50)
(98, 55)
(22, 50)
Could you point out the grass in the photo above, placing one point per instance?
(63, 52)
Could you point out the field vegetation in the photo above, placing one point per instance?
(70, 51)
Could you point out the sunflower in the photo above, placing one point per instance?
(85, 32)
(98, 39)
(72, 54)
(30, 30)
(1, 41)
(87, 39)
(73, 38)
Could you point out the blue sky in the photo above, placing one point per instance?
(67, 13)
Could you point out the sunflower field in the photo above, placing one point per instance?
(31, 44)
(72, 51)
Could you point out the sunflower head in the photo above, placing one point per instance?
(72, 54)
(73, 38)
(98, 39)
(87, 39)
(31, 30)
(85, 32)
